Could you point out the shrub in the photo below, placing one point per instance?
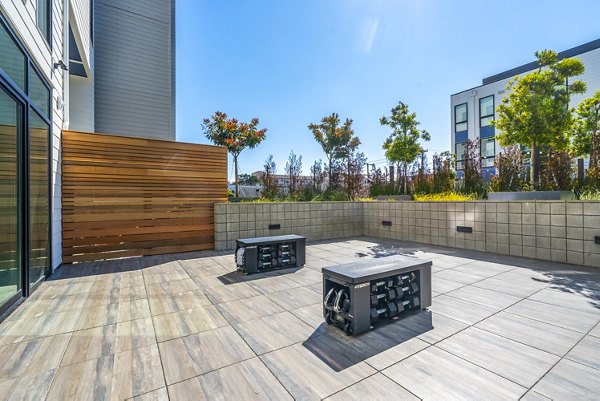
(443, 175)
(509, 165)
(444, 197)
(557, 173)
(331, 195)
(472, 180)
(386, 188)
(590, 194)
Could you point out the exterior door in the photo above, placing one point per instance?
(10, 131)
(25, 121)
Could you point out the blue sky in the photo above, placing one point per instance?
(290, 63)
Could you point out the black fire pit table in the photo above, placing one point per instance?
(360, 295)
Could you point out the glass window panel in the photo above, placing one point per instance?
(486, 106)
(460, 151)
(489, 162)
(12, 60)
(38, 92)
(43, 8)
(38, 197)
(487, 147)
(460, 127)
(460, 113)
(485, 121)
(459, 165)
(10, 276)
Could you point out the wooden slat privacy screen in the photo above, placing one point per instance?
(125, 196)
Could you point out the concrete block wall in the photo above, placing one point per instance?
(315, 220)
(559, 231)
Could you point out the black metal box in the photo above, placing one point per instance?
(359, 295)
(267, 253)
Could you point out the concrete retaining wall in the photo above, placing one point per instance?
(560, 231)
(315, 220)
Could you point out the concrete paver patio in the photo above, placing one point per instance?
(188, 327)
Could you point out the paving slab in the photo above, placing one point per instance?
(247, 380)
(570, 380)
(567, 318)
(519, 363)
(306, 377)
(435, 374)
(273, 332)
(463, 311)
(555, 340)
(485, 297)
(586, 352)
(385, 388)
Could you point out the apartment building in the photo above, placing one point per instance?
(92, 65)
(472, 110)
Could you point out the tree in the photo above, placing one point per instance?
(354, 174)
(402, 146)
(586, 139)
(269, 182)
(234, 135)
(317, 171)
(472, 180)
(443, 174)
(248, 179)
(509, 165)
(536, 113)
(352, 161)
(293, 168)
(335, 139)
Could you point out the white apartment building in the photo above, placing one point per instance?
(474, 108)
(90, 65)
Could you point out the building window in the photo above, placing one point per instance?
(43, 18)
(39, 92)
(486, 110)
(460, 117)
(460, 154)
(488, 152)
(12, 59)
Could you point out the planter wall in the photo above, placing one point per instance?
(315, 220)
(531, 196)
(560, 231)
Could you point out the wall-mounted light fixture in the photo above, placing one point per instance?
(60, 64)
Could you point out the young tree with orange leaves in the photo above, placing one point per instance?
(234, 135)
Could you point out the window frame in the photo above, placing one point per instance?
(481, 117)
(466, 121)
